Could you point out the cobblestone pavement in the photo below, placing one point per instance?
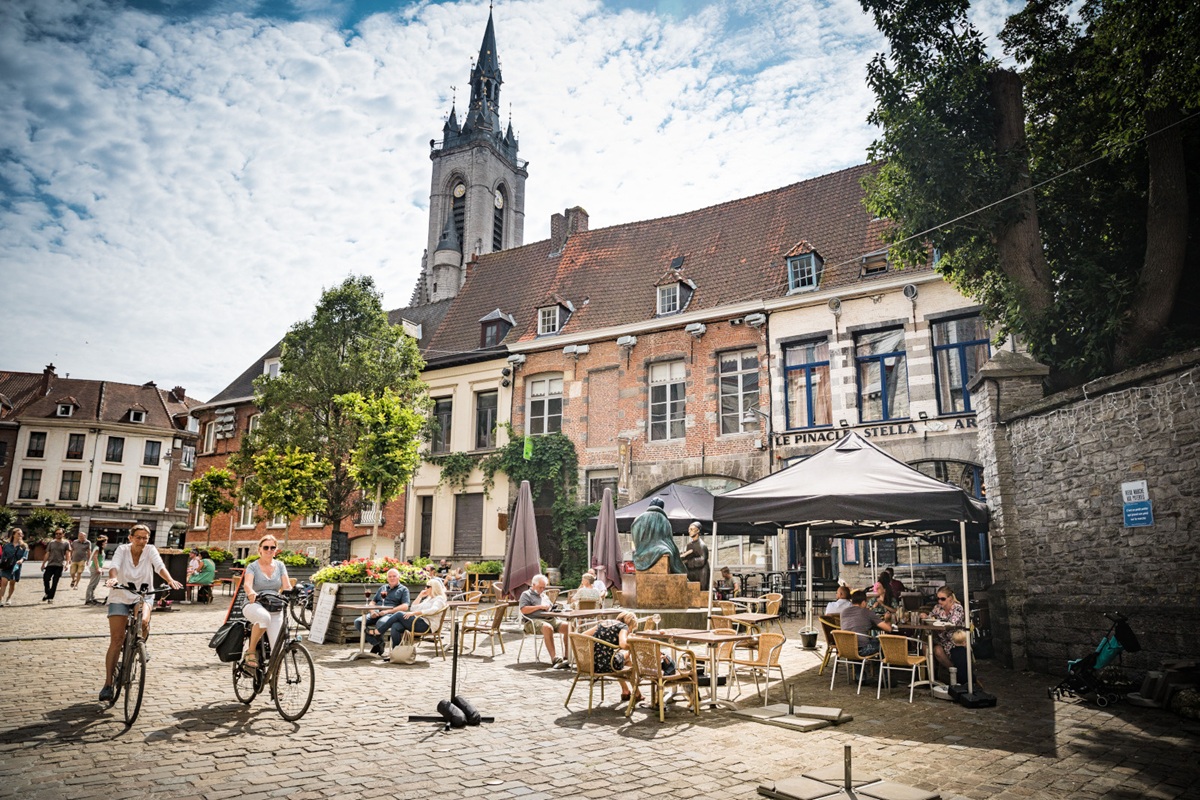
(193, 739)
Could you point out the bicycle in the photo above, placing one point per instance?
(287, 669)
(129, 675)
(301, 610)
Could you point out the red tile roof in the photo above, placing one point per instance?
(733, 252)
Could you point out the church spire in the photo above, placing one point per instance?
(485, 85)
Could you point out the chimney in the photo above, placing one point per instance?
(573, 220)
(47, 376)
(179, 394)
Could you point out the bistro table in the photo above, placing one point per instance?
(752, 620)
(750, 602)
(928, 630)
(362, 633)
(712, 640)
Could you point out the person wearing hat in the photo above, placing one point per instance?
(695, 556)
(95, 564)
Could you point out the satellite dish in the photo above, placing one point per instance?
(835, 305)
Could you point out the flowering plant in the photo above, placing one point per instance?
(363, 570)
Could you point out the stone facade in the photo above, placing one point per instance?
(1054, 469)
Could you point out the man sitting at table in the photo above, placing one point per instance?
(841, 603)
(392, 599)
(726, 588)
(535, 607)
(861, 620)
(587, 589)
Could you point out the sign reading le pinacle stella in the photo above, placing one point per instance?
(828, 435)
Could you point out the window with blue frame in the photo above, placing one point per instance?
(804, 272)
(806, 384)
(960, 348)
(882, 375)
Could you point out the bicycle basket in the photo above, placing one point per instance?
(271, 601)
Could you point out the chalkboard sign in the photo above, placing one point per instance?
(238, 602)
(322, 611)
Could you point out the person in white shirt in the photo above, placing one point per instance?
(429, 602)
(842, 602)
(134, 563)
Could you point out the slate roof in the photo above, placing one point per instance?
(243, 385)
(733, 252)
(98, 401)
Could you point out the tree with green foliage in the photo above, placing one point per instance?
(42, 522)
(289, 483)
(214, 492)
(387, 452)
(1060, 193)
(347, 346)
(7, 517)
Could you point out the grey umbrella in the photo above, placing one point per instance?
(522, 559)
(607, 550)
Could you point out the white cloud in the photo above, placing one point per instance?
(176, 191)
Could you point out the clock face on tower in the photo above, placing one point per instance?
(460, 189)
(499, 199)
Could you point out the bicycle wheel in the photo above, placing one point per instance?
(300, 613)
(246, 685)
(135, 682)
(293, 682)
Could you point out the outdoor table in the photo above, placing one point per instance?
(362, 632)
(928, 631)
(751, 602)
(752, 620)
(712, 640)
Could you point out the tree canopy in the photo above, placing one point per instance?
(347, 346)
(214, 492)
(1060, 193)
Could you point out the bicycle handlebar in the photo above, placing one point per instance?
(145, 590)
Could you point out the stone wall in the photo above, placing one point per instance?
(1054, 469)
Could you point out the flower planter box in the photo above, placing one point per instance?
(341, 621)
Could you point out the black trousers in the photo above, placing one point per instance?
(50, 580)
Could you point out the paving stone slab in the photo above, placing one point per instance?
(799, 788)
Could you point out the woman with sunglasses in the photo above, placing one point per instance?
(264, 574)
(948, 610)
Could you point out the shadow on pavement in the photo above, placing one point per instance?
(226, 720)
(86, 721)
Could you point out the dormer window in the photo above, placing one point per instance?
(271, 368)
(804, 272)
(66, 410)
(137, 416)
(668, 299)
(494, 327)
(875, 263)
(548, 320)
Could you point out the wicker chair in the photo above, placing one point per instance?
(769, 647)
(828, 626)
(486, 621)
(895, 657)
(584, 650)
(847, 653)
(646, 655)
(434, 635)
(724, 656)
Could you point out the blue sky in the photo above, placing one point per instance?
(180, 180)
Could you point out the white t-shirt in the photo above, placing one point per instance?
(127, 572)
(837, 606)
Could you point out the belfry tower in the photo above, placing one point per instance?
(477, 194)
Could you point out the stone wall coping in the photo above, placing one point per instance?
(1179, 362)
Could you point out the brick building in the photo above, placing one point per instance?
(109, 454)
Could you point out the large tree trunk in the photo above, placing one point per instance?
(1166, 238)
(1019, 244)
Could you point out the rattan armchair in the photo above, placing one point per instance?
(895, 657)
(847, 653)
(766, 659)
(584, 649)
(485, 621)
(646, 655)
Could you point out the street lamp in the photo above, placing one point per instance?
(748, 418)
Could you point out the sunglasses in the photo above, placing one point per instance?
(269, 547)
(940, 599)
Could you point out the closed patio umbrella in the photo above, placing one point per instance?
(522, 559)
(606, 552)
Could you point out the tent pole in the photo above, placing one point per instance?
(962, 537)
(912, 575)
(712, 574)
(808, 571)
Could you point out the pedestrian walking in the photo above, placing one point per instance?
(95, 566)
(12, 556)
(57, 553)
(80, 549)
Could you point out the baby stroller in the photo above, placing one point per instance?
(1084, 676)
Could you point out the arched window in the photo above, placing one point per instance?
(500, 202)
(459, 207)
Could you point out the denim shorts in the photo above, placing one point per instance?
(120, 609)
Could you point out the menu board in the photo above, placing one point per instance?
(322, 612)
(238, 602)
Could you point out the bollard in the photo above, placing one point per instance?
(849, 786)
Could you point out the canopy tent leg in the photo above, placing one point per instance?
(808, 571)
(712, 569)
(962, 537)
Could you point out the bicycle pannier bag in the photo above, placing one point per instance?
(271, 601)
(228, 641)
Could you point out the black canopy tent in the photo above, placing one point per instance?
(853, 489)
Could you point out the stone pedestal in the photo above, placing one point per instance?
(658, 588)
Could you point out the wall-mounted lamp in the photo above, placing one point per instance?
(576, 349)
(505, 382)
(843, 423)
(922, 415)
(626, 341)
(516, 359)
(506, 372)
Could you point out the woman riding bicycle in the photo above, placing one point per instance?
(263, 575)
(134, 563)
